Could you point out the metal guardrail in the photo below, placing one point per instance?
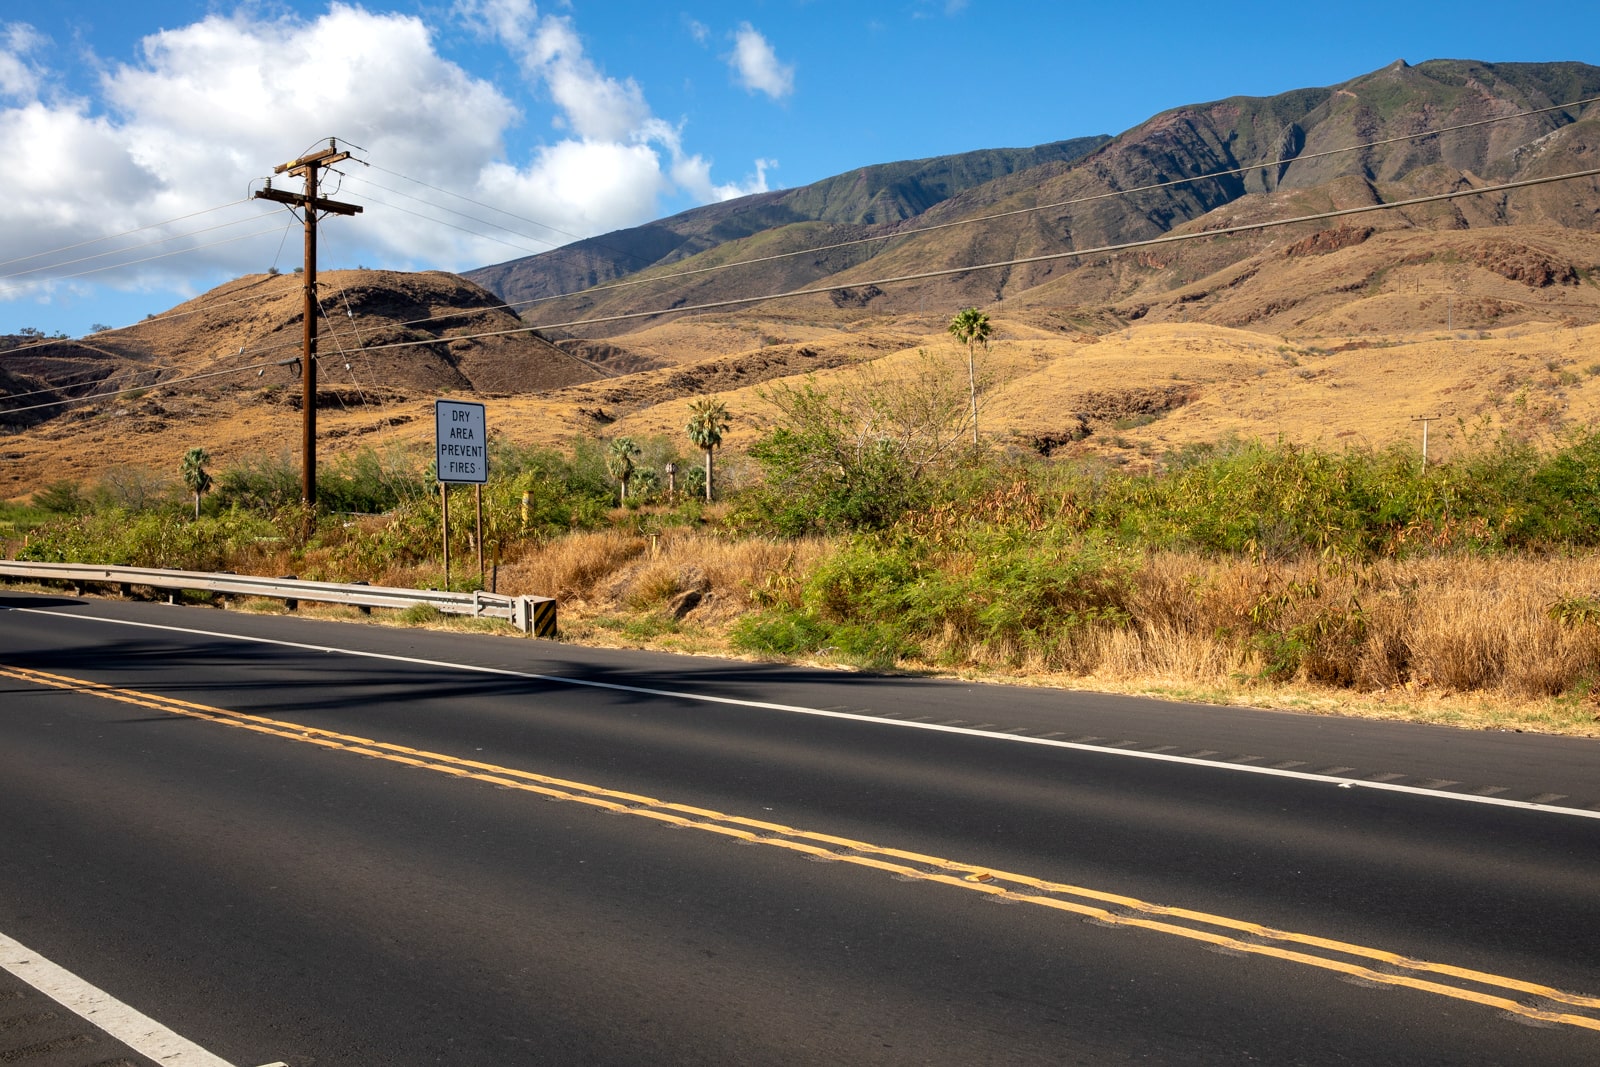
(535, 615)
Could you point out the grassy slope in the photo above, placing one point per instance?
(1531, 379)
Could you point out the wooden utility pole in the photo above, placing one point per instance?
(309, 204)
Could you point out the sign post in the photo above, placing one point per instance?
(461, 454)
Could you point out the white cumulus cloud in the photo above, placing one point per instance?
(757, 65)
(694, 174)
(18, 77)
(203, 111)
(611, 123)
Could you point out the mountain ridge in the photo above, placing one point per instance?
(876, 195)
(1170, 171)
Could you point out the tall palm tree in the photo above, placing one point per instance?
(619, 464)
(708, 420)
(195, 476)
(971, 328)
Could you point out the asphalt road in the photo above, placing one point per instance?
(318, 843)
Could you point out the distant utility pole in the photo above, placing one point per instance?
(309, 204)
(1425, 419)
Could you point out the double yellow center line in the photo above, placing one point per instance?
(1532, 1000)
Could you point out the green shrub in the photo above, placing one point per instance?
(65, 497)
(164, 539)
(880, 599)
(862, 454)
(421, 615)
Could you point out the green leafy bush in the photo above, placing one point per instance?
(994, 592)
(163, 539)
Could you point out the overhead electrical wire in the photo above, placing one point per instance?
(210, 306)
(913, 231)
(1022, 261)
(136, 262)
(350, 314)
(911, 277)
(129, 248)
(343, 355)
(363, 179)
(1166, 239)
(124, 233)
(511, 214)
(440, 222)
(516, 304)
(916, 230)
(139, 388)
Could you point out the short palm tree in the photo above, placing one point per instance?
(708, 421)
(619, 464)
(971, 328)
(195, 476)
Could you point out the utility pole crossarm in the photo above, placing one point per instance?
(319, 158)
(334, 207)
(331, 207)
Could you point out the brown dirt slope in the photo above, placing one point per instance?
(220, 371)
(1128, 395)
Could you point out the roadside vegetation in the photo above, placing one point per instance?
(878, 536)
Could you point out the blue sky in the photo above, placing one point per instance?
(581, 117)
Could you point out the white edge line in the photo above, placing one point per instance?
(905, 724)
(128, 1025)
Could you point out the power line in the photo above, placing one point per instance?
(916, 230)
(210, 305)
(462, 214)
(129, 248)
(521, 218)
(910, 232)
(343, 355)
(440, 222)
(1233, 171)
(139, 388)
(251, 350)
(1023, 261)
(153, 368)
(158, 368)
(124, 233)
(921, 276)
(136, 262)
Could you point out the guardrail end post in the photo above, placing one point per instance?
(536, 616)
(541, 616)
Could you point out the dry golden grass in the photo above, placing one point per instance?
(1463, 640)
(1530, 379)
(598, 572)
(570, 568)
